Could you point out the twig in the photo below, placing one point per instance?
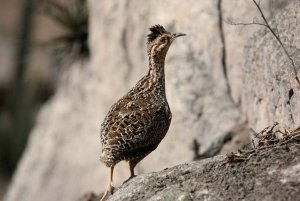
(269, 140)
(253, 144)
(276, 35)
(277, 38)
(289, 140)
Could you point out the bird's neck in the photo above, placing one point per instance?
(157, 70)
(154, 81)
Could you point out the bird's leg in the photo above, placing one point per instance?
(110, 187)
(132, 164)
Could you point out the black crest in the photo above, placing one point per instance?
(156, 31)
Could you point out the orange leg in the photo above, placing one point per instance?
(110, 187)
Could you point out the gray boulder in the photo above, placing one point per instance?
(271, 92)
(236, 37)
(254, 177)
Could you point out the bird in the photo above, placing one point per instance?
(137, 123)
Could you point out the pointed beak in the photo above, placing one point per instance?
(176, 35)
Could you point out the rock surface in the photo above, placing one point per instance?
(236, 37)
(61, 159)
(271, 92)
(270, 174)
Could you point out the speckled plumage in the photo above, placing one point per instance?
(136, 124)
(134, 127)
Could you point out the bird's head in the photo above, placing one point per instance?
(159, 40)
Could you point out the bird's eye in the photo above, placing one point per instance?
(164, 40)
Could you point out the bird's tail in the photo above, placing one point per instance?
(107, 158)
(103, 157)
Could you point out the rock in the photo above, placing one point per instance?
(236, 37)
(240, 138)
(170, 194)
(270, 174)
(61, 159)
(89, 197)
(271, 92)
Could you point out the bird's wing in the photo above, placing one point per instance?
(133, 125)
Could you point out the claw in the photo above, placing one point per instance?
(127, 180)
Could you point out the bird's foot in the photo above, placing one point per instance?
(127, 180)
(110, 189)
